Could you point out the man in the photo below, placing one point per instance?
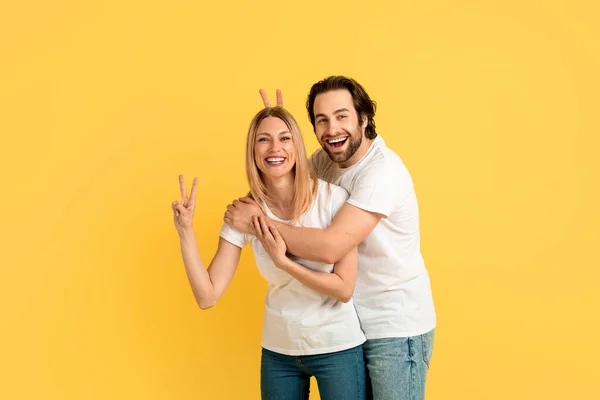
(393, 295)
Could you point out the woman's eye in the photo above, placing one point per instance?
(285, 138)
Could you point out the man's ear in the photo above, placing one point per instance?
(364, 121)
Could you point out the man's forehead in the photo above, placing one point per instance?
(333, 100)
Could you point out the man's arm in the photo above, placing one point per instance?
(338, 283)
(350, 226)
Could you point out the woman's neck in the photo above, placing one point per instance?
(281, 195)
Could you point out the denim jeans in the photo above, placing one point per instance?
(340, 375)
(397, 367)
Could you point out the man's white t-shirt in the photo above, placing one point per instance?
(298, 320)
(393, 293)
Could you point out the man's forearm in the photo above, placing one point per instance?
(312, 243)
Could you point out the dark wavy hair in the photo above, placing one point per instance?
(362, 102)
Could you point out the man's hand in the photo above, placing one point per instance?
(239, 214)
(266, 101)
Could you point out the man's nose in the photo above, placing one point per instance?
(332, 127)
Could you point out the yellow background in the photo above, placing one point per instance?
(492, 105)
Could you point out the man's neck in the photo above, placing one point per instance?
(358, 155)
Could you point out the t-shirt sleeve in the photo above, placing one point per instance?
(323, 166)
(339, 196)
(234, 237)
(316, 160)
(377, 188)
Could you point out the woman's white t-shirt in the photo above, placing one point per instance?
(298, 320)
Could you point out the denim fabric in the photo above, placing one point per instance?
(397, 367)
(340, 375)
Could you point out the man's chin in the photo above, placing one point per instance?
(337, 157)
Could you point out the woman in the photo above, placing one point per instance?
(310, 325)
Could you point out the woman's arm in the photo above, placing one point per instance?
(207, 285)
(338, 284)
(349, 228)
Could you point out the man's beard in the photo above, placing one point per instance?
(354, 142)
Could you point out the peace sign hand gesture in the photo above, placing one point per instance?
(266, 101)
(183, 211)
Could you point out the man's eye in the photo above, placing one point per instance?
(342, 116)
(321, 121)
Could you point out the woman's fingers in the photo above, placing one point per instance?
(257, 229)
(182, 188)
(276, 234)
(193, 192)
(265, 228)
(179, 207)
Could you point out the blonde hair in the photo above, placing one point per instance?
(305, 181)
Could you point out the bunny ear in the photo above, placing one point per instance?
(266, 101)
(265, 98)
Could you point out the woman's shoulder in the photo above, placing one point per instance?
(324, 185)
(331, 192)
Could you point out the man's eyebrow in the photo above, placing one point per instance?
(335, 112)
(341, 110)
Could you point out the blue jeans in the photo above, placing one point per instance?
(340, 375)
(397, 367)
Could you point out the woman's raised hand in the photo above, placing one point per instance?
(183, 211)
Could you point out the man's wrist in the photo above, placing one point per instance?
(273, 223)
(249, 228)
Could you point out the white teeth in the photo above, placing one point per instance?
(275, 160)
(336, 140)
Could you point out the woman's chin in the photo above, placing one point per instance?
(274, 173)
